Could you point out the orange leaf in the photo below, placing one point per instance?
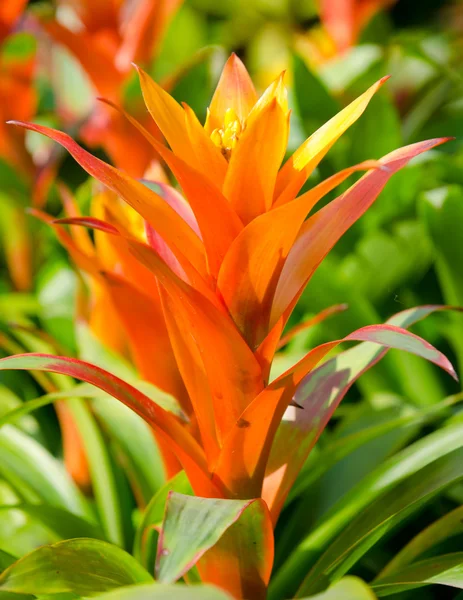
(168, 115)
(249, 274)
(234, 374)
(191, 367)
(320, 233)
(217, 221)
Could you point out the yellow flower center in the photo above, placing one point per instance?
(226, 137)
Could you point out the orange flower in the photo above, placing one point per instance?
(204, 288)
(105, 37)
(345, 19)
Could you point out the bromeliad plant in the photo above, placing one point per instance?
(204, 288)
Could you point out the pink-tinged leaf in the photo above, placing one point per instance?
(179, 440)
(135, 270)
(318, 318)
(156, 242)
(91, 222)
(176, 201)
(218, 223)
(72, 210)
(321, 231)
(249, 273)
(301, 164)
(318, 395)
(245, 382)
(255, 430)
(235, 90)
(231, 539)
(338, 17)
(146, 202)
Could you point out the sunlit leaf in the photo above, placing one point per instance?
(82, 566)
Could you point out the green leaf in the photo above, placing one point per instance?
(442, 212)
(135, 440)
(231, 539)
(6, 559)
(36, 474)
(19, 47)
(192, 526)
(388, 476)
(146, 535)
(161, 591)
(444, 570)
(103, 477)
(101, 471)
(321, 391)
(182, 442)
(428, 103)
(56, 292)
(448, 526)
(27, 407)
(82, 566)
(343, 446)
(61, 522)
(387, 511)
(356, 447)
(348, 588)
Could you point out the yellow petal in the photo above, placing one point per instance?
(302, 163)
(209, 159)
(275, 90)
